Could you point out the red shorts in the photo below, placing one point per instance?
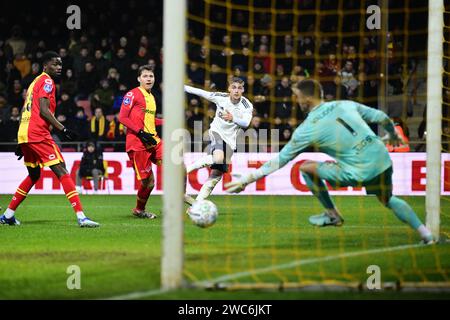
(41, 154)
(142, 160)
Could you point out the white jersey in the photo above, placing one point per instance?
(242, 114)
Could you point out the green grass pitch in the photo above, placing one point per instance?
(252, 233)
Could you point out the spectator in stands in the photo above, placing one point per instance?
(87, 81)
(283, 94)
(79, 61)
(15, 96)
(91, 165)
(34, 72)
(348, 78)
(121, 61)
(11, 125)
(103, 97)
(23, 64)
(79, 124)
(195, 74)
(69, 84)
(101, 64)
(113, 79)
(66, 106)
(116, 132)
(98, 125)
(67, 60)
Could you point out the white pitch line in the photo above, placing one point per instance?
(297, 263)
(137, 295)
(143, 294)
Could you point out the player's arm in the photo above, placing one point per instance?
(210, 96)
(371, 115)
(299, 142)
(45, 113)
(243, 118)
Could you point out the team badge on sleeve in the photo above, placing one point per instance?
(48, 86)
(128, 98)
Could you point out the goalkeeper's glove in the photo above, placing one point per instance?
(19, 152)
(69, 134)
(395, 140)
(240, 184)
(146, 137)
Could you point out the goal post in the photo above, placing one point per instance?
(434, 113)
(174, 30)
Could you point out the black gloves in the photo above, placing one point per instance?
(146, 138)
(69, 134)
(19, 152)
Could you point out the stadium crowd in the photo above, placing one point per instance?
(100, 61)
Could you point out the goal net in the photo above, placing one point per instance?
(372, 52)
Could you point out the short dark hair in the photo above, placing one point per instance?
(48, 56)
(238, 80)
(144, 67)
(311, 88)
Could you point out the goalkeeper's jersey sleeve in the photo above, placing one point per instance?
(339, 129)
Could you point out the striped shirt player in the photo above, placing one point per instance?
(233, 112)
(144, 147)
(339, 129)
(36, 145)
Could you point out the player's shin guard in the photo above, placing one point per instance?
(200, 163)
(21, 193)
(404, 212)
(208, 187)
(320, 190)
(71, 193)
(142, 197)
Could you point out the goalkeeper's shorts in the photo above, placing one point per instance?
(381, 185)
(41, 154)
(142, 160)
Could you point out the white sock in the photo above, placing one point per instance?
(80, 215)
(9, 213)
(207, 188)
(200, 163)
(424, 231)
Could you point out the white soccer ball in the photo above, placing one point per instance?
(203, 213)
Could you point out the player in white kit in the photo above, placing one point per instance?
(233, 112)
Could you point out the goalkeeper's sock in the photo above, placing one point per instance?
(142, 197)
(320, 190)
(404, 212)
(71, 193)
(200, 163)
(207, 188)
(21, 193)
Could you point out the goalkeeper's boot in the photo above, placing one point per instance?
(428, 240)
(324, 220)
(143, 214)
(87, 223)
(11, 221)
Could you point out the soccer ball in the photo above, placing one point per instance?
(203, 213)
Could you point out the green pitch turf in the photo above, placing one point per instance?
(252, 233)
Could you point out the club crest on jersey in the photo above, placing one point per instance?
(48, 87)
(126, 101)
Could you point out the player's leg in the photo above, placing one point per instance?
(223, 153)
(59, 169)
(144, 191)
(21, 193)
(381, 186)
(96, 178)
(143, 167)
(310, 173)
(212, 158)
(213, 179)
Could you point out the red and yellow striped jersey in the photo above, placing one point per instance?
(33, 128)
(138, 111)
